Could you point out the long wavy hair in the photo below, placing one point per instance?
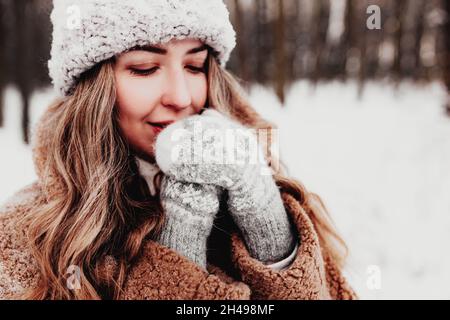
(106, 209)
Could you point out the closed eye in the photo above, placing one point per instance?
(147, 72)
(143, 72)
(196, 70)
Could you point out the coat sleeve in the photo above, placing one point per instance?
(310, 276)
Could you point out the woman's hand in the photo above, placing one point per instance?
(209, 148)
(196, 150)
(190, 210)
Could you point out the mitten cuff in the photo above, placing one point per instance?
(186, 234)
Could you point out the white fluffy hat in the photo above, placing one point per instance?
(86, 32)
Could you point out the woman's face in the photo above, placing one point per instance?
(157, 85)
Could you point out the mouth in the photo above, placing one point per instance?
(159, 126)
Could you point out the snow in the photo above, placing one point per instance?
(16, 164)
(380, 163)
(381, 166)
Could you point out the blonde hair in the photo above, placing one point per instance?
(105, 208)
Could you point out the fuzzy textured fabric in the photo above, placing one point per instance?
(86, 32)
(160, 272)
(189, 150)
(148, 171)
(190, 209)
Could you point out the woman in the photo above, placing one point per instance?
(115, 215)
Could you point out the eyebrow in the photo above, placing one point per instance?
(163, 51)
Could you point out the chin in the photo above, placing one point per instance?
(146, 152)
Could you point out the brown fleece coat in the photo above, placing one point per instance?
(161, 273)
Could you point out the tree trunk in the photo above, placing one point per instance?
(399, 8)
(242, 43)
(319, 40)
(25, 114)
(261, 41)
(2, 59)
(420, 26)
(21, 63)
(292, 39)
(1, 105)
(280, 54)
(447, 55)
(349, 38)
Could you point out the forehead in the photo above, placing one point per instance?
(181, 47)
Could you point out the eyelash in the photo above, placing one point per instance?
(147, 72)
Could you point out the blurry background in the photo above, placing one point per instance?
(364, 120)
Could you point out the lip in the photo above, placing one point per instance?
(166, 123)
(160, 125)
(157, 130)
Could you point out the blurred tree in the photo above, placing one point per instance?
(337, 47)
(242, 43)
(292, 38)
(373, 41)
(447, 53)
(363, 32)
(262, 47)
(419, 30)
(279, 42)
(3, 57)
(319, 37)
(22, 59)
(41, 36)
(349, 39)
(348, 35)
(280, 53)
(399, 9)
(25, 30)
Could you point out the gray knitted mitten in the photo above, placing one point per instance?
(194, 150)
(190, 210)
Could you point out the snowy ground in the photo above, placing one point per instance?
(382, 166)
(379, 163)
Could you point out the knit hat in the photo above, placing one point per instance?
(86, 32)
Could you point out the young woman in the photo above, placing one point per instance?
(114, 215)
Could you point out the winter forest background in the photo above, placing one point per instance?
(364, 120)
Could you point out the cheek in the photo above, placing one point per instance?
(199, 89)
(134, 98)
(134, 103)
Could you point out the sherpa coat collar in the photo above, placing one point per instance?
(161, 273)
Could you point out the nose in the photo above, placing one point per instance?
(177, 94)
